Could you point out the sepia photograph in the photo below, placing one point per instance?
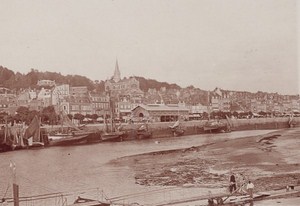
(149, 103)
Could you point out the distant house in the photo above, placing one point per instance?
(159, 112)
(46, 83)
(79, 91)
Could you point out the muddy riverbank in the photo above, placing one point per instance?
(271, 161)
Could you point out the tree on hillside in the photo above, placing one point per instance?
(33, 77)
(146, 84)
(5, 74)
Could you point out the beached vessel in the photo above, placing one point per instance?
(143, 132)
(215, 126)
(176, 129)
(72, 135)
(18, 136)
(112, 133)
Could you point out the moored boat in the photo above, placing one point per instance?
(67, 140)
(35, 135)
(216, 126)
(176, 129)
(72, 135)
(112, 136)
(143, 132)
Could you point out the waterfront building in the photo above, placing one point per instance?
(278, 108)
(100, 104)
(159, 113)
(261, 106)
(295, 105)
(220, 100)
(124, 106)
(77, 104)
(197, 109)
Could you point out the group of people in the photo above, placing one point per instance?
(241, 186)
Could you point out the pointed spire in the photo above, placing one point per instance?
(117, 74)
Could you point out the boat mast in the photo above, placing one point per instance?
(39, 130)
(15, 185)
(112, 115)
(208, 104)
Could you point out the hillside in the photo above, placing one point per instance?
(146, 84)
(17, 81)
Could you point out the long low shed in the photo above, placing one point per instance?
(160, 113)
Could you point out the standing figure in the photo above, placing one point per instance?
(232, 186)
(250, 187)
(3, 202)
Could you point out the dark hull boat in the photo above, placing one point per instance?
(67, 141)
(178, 132)
(73, 136)
(176, 129)
(112, 136)
(214, 126)
(143, 132)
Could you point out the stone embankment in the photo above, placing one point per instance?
(162, 129)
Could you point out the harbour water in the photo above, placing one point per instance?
(75, 169)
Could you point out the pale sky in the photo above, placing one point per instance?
(232, 44)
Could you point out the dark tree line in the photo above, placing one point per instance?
(47, 116)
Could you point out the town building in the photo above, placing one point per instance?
(60, 92)
(100, 104)
(116, 85)
(220, 100)
(79, 91)
(125, 93)
(77, 104)
(23, 98)
(197, 109)
(159, 113)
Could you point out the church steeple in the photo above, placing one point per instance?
(117, 74)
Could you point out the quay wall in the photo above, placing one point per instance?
(161, 129)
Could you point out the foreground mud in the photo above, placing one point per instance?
(270, 161)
